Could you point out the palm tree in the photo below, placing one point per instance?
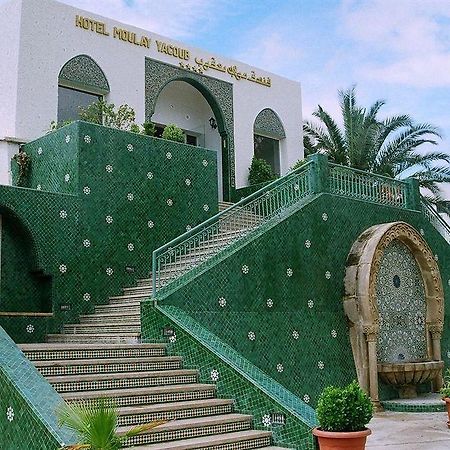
(95, 423)
(387, 147)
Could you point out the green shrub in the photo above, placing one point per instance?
(344, 409)
(260, 172)
(173, 133)
(299, 163)
(445, 391)
(149, 128)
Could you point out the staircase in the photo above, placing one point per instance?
(102, 357)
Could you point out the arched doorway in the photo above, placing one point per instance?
(184, 105)
(394, 302)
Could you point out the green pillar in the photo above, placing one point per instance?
(319, 173)
(412, 194)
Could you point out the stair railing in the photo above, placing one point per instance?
(210, 237)
(436, 220)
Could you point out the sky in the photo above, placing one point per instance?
(396, 50)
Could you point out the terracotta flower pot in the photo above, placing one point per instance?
(348, 440)
(447, 402)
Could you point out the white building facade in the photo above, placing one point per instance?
(55, 58)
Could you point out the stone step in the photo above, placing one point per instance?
(137, 415)
(113, 317)
(111, 365)
(47, 351)
(144, 290)
(147, 395)
(251, 439)
(130, 297)
(95, 338)
(113, 307)
(104, 327)
(125, 301)
(190, 428)
(122, 380)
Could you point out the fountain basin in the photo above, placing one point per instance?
(406, 376)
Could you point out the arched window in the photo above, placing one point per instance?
(268, 131)
(81, 82)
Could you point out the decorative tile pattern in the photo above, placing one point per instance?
(268, 122)
(401, 306)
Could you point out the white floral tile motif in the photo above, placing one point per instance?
(67, 177)
(86, 296)
(30, 328)
(245, 269)
(109, 219)
(327, 274)
(39, 151)
(109, 271)
(130, 197)
(295, 334)
(448, 354)
(150, 175)
(38, 187)
(169, 155)
(63, 214)
(321, 365)
(289, 272)
(266, 420)
(10, 413)
(87, 139)
(448, 282)
(150, 224)
(310, 304)
(334, 334)
(422, 232)
(436, 257)
(86, 243)
(269, 303)
(188, 182)
(109, 168)
(67, 139)
(205, 207)
(188, 228)
(205, 163)
(296, 187)
(306, 398)
(251, 335)
(324, 217)
(130, 247)
(169, 202)
(308, 243)
(214, 375)
(222, 302)
(62, 268)
(280, 368)
(173, 338)
(86, 190)
(130, 147)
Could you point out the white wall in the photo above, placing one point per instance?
(49, 38)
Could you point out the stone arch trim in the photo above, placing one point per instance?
(268, 122)
(360, 303)
(82, 72)
(218, 94)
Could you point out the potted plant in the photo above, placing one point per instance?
(445, 392)
(343, 414)
(95, 422)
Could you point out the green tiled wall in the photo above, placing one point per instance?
(100, 201)
(235, 377)
(27, 404)
(278, 299)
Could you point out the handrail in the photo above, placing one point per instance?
(188, 250)
(436, 220)
(367, 186)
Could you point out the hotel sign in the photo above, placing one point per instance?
(140, 40)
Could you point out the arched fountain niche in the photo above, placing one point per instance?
(395, 305)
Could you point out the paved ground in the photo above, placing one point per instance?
(409, 431)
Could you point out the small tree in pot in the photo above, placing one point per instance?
(445, 392)
(343, 414)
